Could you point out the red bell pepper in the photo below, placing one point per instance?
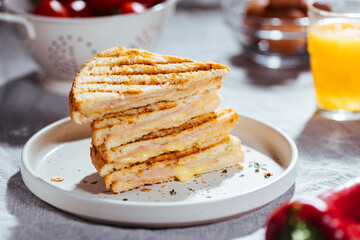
(334, 215)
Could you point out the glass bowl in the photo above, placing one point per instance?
(271, 42)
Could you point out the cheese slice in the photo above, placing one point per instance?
(185, 174)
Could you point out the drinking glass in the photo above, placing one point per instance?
(334, 48)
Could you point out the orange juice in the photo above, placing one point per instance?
(335, 63)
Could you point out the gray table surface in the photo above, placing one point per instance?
(329, 151)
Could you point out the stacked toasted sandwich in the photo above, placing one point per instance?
(154, 118)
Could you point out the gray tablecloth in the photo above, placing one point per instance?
(328, 151)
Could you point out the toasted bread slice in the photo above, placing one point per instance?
(119, 79)
(179, 165)
(104, 167)
(199, 132)
(120, 128)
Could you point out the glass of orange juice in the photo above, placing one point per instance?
(334, 47)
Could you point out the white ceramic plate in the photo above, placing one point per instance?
(62, 149)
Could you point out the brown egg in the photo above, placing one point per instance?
(287, 10)
(285, 13)
(299, 4)
(284, 3)
(303, 7)
(322, 6)
(256, 8)
(253, 13)
(287, 46)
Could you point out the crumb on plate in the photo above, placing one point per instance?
(267, 175)
(57, 179)
(146, 190)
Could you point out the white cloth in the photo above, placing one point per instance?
(328, 150)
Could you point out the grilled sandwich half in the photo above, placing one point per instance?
(222, 153)
(120, 79)
(154, 118)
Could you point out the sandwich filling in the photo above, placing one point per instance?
(138, 122)
(169, 167)
(199, 131)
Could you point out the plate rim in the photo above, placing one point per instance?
(27, 171)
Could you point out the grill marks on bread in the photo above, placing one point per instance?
(146, 75)
(153, 69)
(122, 51)
(120, 66)
(136, 84)
(118, 75)
(146, 59)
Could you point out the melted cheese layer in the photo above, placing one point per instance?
(185, 174)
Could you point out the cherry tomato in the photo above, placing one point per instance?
(150, 3)
(51, 8)
(132, 7)
(105, 7)
(78, 8)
